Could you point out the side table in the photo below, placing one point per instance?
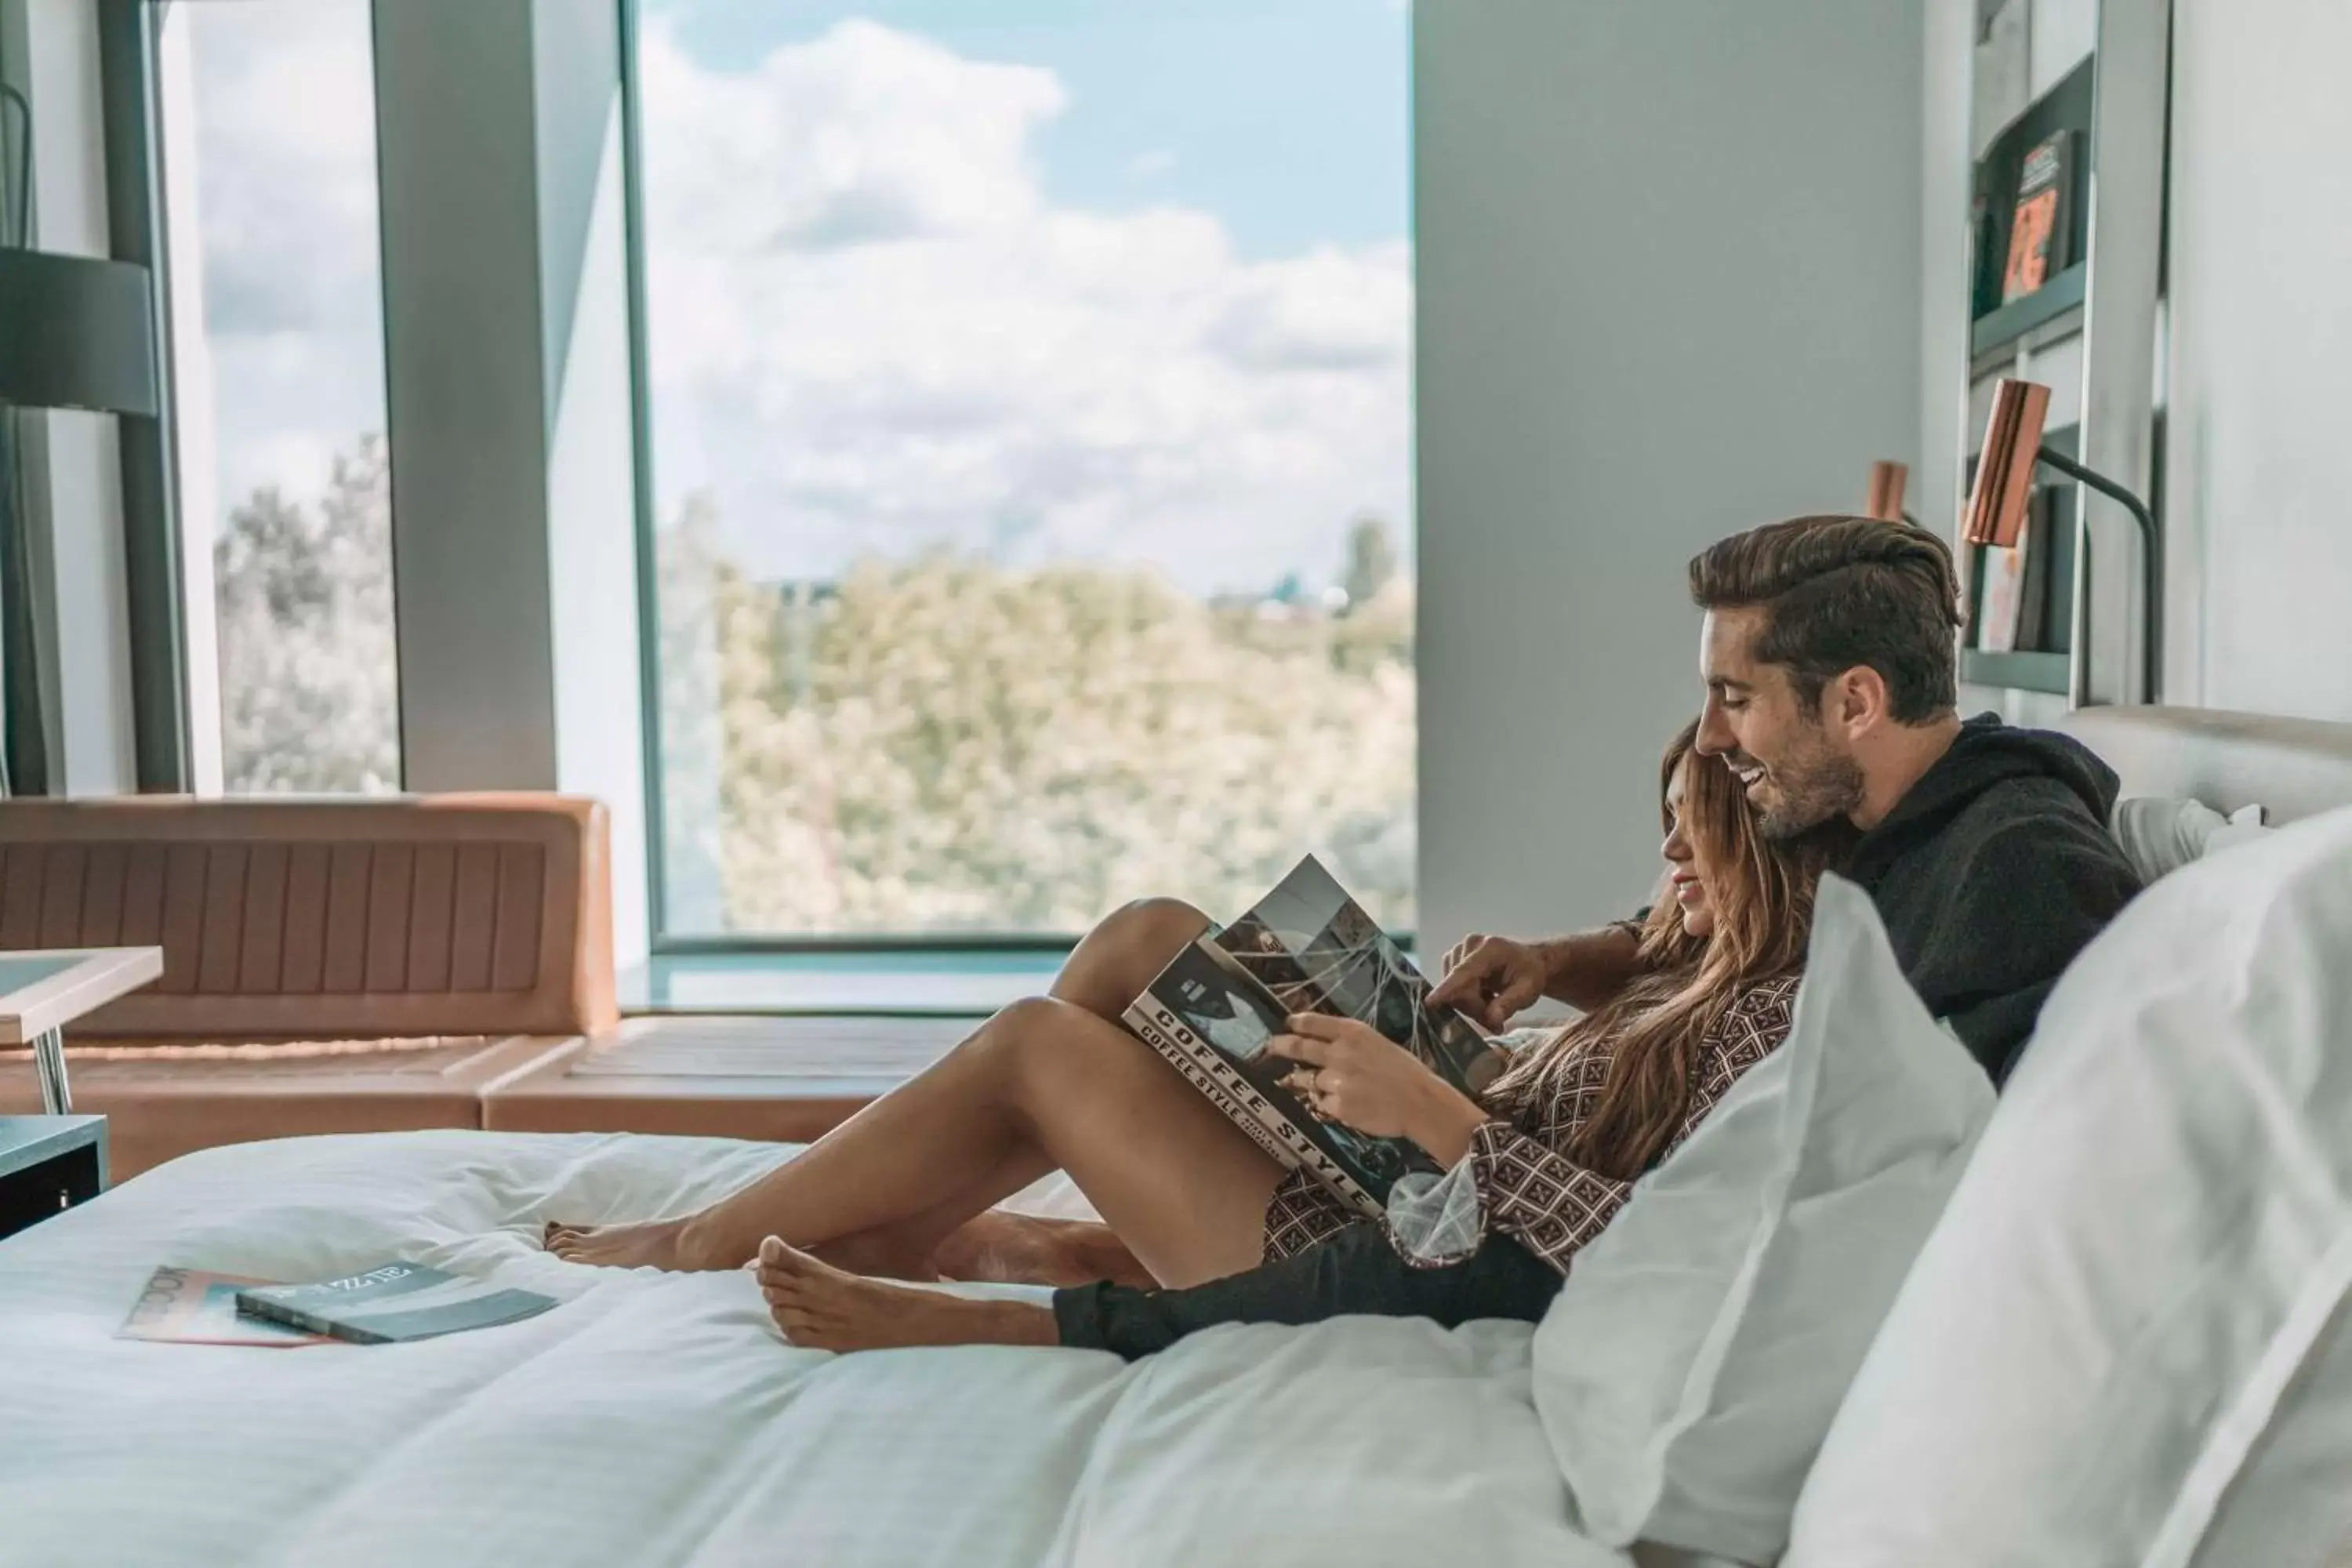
(48, 1163)
(41, 993)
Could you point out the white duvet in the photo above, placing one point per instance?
(659, 1418)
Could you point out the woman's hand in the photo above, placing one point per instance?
(1352, 1074)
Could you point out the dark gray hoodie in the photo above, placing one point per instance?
(1992, 874)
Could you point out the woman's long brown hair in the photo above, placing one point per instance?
(1762, 895)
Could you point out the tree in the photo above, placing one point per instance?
(1372, 559)
(309, 676)
(929, 745)
(953, 745)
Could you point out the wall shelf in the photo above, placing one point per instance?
(2025, 671)
(1998, 329)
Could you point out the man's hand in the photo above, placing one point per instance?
(1351, 1073)
(1492, 978)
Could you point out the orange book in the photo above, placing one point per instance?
(2040, 227)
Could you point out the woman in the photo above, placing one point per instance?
(1536, 1166)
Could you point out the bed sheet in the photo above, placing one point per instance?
(659, 1418)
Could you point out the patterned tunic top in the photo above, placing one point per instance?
(1526, 1186)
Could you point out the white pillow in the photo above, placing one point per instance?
(2154, 1237)
(1693, 1359)
(2160, 834)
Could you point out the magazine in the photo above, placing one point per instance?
(190, 1306)
(1306, 947)
(391, 1304)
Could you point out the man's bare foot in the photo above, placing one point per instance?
(878, 1255)
(819, 1307)
(1032, 1249)
(656, 1244)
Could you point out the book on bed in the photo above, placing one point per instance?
(1306, 947)
(392, 1304)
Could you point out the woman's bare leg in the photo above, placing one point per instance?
(959, 1234)
(1126, 949)
(1183, 1187)
(966, 1236)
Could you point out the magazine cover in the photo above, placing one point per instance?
(393, 1303)
(2040, 223)
(1213, 1018)
(1317, 951)
(190, 1306)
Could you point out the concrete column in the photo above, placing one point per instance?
(507, 369)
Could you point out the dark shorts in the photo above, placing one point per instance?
(1356, 1271)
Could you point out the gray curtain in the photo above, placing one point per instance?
(23, 746)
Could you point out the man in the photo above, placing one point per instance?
(1827, 651)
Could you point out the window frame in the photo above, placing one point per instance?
(130, 106)
(662, 941)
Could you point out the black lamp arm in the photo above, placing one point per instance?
(2151, 553)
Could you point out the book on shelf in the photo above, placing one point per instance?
(391, 1304)
(191, 1306)
(2034, 543)
(1306, 947)
(2001, 598)
(2042, 221)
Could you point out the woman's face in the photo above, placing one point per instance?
(1687, 873)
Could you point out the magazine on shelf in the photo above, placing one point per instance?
(1306, 947)
(2041, 225)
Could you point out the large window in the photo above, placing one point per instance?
(271, 174)
(1031, 407)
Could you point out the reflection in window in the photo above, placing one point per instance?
(269, 126)
(1031, 428)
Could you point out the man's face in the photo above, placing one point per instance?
(1797, 770)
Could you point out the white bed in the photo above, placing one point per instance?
(659, 1418)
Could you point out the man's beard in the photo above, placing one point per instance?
(1813, 785)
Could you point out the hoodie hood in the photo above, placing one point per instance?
(1985, 753)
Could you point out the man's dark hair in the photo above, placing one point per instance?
(1838, 592)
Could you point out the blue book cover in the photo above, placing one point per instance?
(391, 1304)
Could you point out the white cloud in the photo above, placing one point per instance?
(873, 331)
(283, 150)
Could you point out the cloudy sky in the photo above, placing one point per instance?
(1048, 278)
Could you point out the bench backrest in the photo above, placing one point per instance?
(456, 914)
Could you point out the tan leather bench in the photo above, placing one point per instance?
(331, 965)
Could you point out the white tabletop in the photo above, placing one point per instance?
(40, 991)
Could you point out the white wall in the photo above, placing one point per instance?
(1669, 260)
(2259, 468)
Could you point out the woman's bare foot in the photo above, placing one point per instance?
(1032, 1249)
(671, 1244)
(819, 1307)
(656, 1244)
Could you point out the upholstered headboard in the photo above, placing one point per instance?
(2295, 767)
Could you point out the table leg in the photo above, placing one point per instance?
(50, 1060)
